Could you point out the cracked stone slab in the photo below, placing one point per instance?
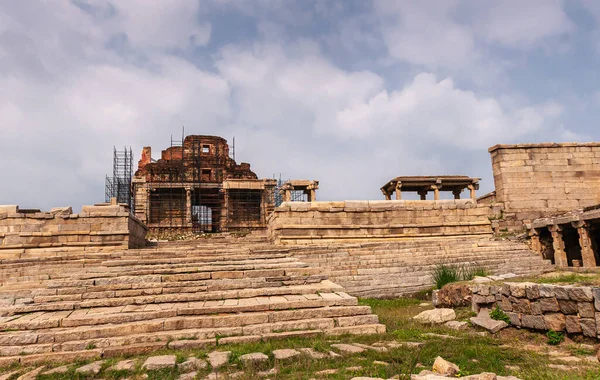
(159, 362)
(348, 348)
(92, 368)
(217, 359)
(285, 354)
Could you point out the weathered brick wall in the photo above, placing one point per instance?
(319, 222)
(539, 180)
(94, 227)
(574, 309)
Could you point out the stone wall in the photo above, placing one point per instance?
(94, 227)
(322, 222)
(539, 180)
(573, 309)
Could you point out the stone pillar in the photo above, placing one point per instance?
(188, 206)
(456, 193)
(386, 195)
(287, 195)
(560, 255)
(536, 244)
(399, 191)
(423, 194)
(472, 191)
(436, 192)
(585, 241)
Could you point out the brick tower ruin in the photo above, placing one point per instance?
(195, 186)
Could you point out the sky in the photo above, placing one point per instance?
(351, 92)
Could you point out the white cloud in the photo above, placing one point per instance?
(458, 34)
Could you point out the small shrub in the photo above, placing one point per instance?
(90, 346)
(555, 337)
(443, 275)
(499, 315)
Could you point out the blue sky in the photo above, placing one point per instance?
(351, 93)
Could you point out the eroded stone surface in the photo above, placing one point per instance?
(348, 348)
(92, 368)
(435, 316)
(192, 364)
(444, 367)
(123, 365)
(217, 359)
(285, 354)
(255, 357)
(159, 362)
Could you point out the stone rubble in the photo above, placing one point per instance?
(217, 359)
(90, 369)
(159, 362)
(435, 316)
(253, 358)
(284, 354)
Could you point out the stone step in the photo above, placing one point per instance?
(193, 295)
(154, 341)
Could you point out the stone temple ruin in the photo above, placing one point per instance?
(87, 285)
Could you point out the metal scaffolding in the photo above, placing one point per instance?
(119, 185)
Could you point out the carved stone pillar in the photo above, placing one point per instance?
(456, 193)
(423, 194)
(560, 255)
(398, 191)
(472, 191)
(386, 195)
(536, 244)
(585, 241)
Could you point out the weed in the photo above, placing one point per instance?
(443, 274)
(467, 273)
(90, 346)
(555, 337)
(499, 315)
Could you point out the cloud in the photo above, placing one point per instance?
(458, 34)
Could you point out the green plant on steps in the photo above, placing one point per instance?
(555, 337)
(443, 274)
(499, 315)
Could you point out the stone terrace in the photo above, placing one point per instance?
(63, 306)
(388, 270)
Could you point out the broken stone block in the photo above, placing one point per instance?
(456, 325)
(312, 353)
(444, 367)
(255, 357)
(348, 348)
(57, 370)
(561, 292)
(218, 358)
(435, 316)
(285, 354)
(515, 318)
(159, 362)
(123, 365)
(192, 364)
(90, 369)
(491, 325)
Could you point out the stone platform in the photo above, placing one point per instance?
(402, 267)
(64, 306)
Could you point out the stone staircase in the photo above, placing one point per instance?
(388, 270)
(64, 306)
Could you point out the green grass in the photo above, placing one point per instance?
(446, 274)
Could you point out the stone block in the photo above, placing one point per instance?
(518, 289)
(561, 292)
(588, 326)
(535, 322)
(581, 294)
(596, 294)
(568, 307)
(549, 304)
(572, 324)
(555, 321)
(515, 318)
(536, 308)
(586, 309)
(532, 291)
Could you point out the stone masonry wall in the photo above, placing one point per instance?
(574, 309)
(95, 227)
(540, 180)
(322, 222)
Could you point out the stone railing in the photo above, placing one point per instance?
(322, 222)
(98, 226)
(570, 308)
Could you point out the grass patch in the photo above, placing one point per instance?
(444, 274)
